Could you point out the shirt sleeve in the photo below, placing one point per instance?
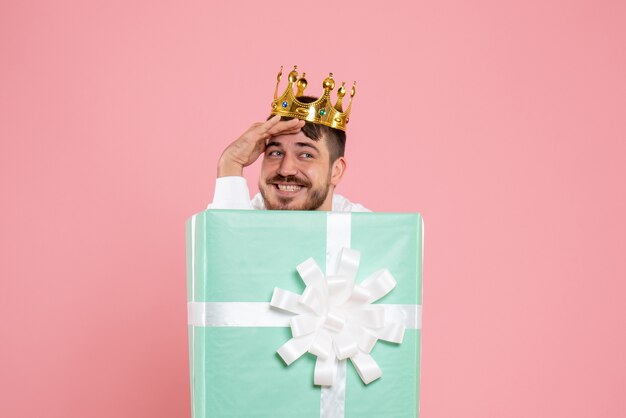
(231, 192)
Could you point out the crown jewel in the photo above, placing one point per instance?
(321, 111)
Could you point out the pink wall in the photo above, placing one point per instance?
(504, 124)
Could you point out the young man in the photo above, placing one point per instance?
(303, 156)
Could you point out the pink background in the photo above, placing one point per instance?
(503, 123)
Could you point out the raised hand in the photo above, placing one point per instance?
(249, 146)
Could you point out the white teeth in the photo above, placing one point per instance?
(289, 187)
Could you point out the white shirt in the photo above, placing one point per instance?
(232, 193)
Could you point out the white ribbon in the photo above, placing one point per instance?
(261, 314)
(235, 314)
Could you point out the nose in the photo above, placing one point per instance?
(288, 166)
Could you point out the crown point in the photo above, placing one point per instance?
(329, 83)
(301, 85)
(340, 93)
(293, 76)
(342, 90)
(278, 78)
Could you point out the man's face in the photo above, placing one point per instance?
(296, 173)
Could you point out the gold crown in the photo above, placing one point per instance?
(320, 111)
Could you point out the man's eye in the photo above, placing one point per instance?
(274, 154)
(307, 155)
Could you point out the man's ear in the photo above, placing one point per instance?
(337, 170)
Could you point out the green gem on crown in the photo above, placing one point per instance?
(322, 112)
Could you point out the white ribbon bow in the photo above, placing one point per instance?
(335, 318)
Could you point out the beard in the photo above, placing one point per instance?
(314, 199)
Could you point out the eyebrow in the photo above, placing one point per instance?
(299, 144)
(307, 144)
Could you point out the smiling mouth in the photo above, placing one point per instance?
(289, 188)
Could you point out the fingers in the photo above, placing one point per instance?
(274, 127)
(283, 127)
(270, 123)
(288, 132)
